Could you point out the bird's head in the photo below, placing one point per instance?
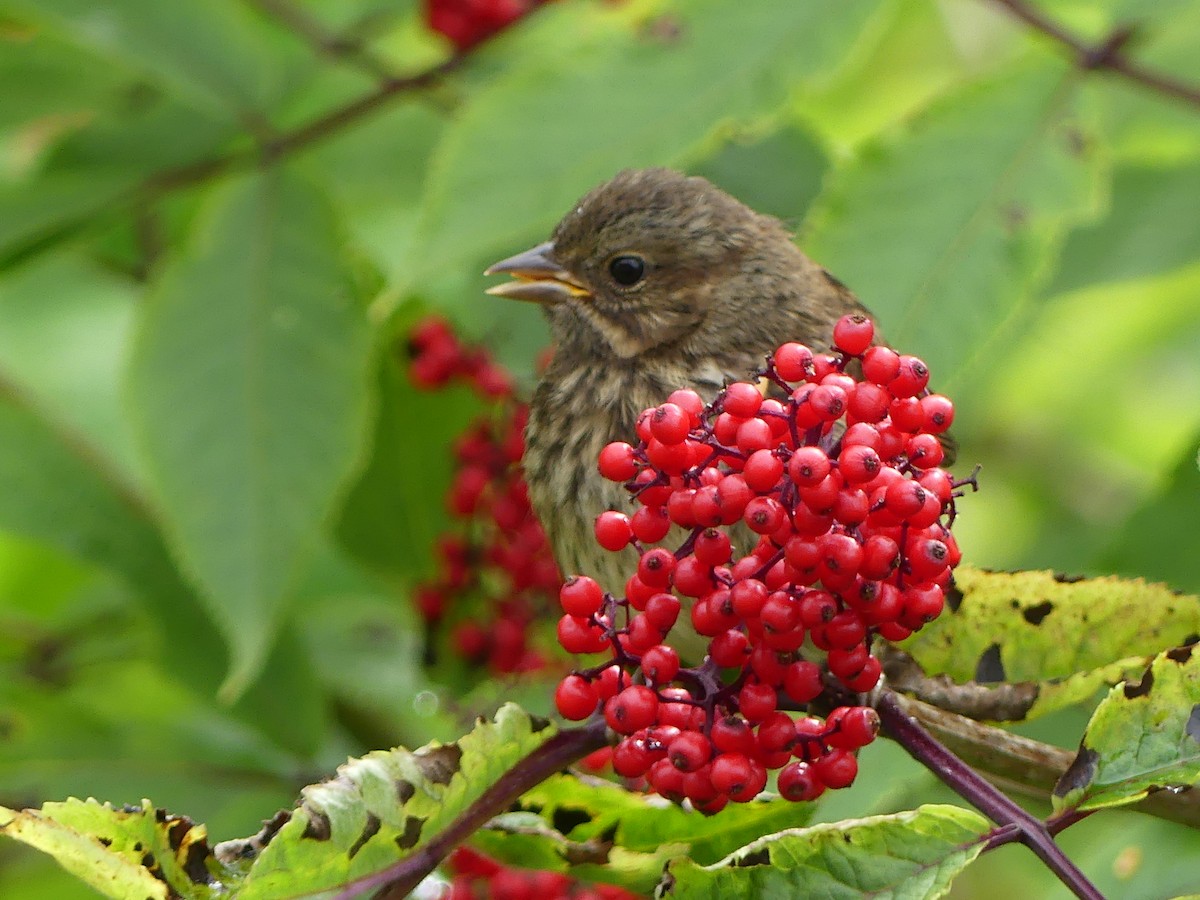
(649, 260)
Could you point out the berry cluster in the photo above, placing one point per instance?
(837, 487)
(476, 876)
(498, 575)
(469, 22)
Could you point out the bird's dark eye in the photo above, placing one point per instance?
(627, 270)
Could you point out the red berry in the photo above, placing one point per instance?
(808, 466)
(802, 681)
(911, 379)
(732, 734)
(617, 462)
(578, 635)
(756, 701)
(660, 664)
(837, 768)
(764, 515)
(852, 334)
(690, 751)
(580, 596)
(938, 413)
(662, 610)
(857, 726)
(742, 399)
(799, 783)
(880, 365)
(613, 531)
(650, 524)
(793, 362)
(762, 470)
(655, 567)
(632, 709)
(575, 698)
(669, 424)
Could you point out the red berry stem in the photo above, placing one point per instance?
(964, 781)
(560, 751)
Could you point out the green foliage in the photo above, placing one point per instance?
(1068, 636)
(1144, 736)
(911, 854)
(214, 234)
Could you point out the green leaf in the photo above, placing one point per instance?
(209, 52)
(490, 202)
(390, 518)
(1144, 736)
(120, 852)
(944, 233)
(249, 393)
(625, 838)
(385, 806)
(1150, 230)
(1068, 637)
(1159, 539)
(905, 855)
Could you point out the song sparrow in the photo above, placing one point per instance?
(654, 281)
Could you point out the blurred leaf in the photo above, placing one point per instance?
(944, 233)
(251, 334)
(779, 173)
(42, 75)
(1151, 229)
(909, 854)
(1070, 636)
(1144, 736)
(396, 508)
(489, 202)
(64, 324)
(94, 172)
(209, 52)
(1159, 540)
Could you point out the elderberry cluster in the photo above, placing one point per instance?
(829, 468)
(469, 22)
(475, 875)
(497, 574)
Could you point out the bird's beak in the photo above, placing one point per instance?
(536, 277)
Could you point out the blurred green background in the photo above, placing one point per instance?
(217, 217)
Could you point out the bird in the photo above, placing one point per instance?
(653, 281)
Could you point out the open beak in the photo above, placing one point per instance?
(537, 277)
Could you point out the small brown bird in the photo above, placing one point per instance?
(653, 282)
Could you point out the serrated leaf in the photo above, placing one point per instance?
(487, 203)
(385, 806)
(1069, 636)
(248, 384)
(945, 232)
(130, 852)
(625, 838)
(1144, 736)
(905, 855)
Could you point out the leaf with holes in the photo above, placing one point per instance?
(128, 852)
(1060, 638)
(1144, 736)
(908, 854)
(383, 807)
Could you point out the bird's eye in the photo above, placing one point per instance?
(627, 270)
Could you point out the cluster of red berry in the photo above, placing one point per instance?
(468, 22)
(501, 547)
(839, 488)
(476, 876)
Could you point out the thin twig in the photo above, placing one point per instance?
(1108, 55)
(297, 139)
(968, 784)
